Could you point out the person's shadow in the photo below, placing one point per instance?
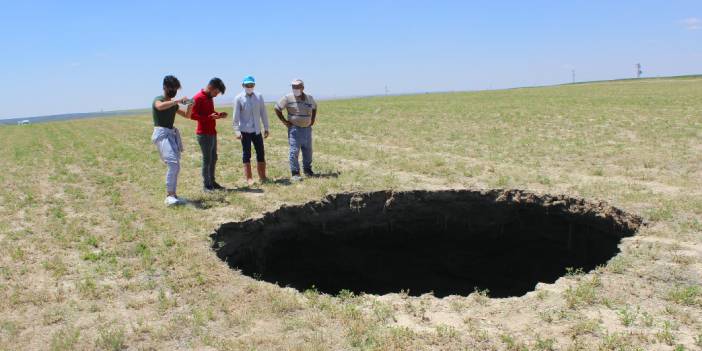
(281, 181)
(198, 204)
(218, 197)
(243, 189)
(326, 175)
(207, 202)
(286, 181)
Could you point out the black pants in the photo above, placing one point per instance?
(208, 146)
(257, 140)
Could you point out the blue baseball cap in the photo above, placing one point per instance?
(249, 80)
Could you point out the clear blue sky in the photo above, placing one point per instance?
(81, 56)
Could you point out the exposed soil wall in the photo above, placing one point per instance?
(445, 242)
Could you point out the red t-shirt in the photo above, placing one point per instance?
(203, 107)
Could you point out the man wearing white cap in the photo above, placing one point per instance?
(302, 112)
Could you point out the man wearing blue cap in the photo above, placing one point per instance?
(249, 112)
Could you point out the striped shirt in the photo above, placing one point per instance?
(299, 108)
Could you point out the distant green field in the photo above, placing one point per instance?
(91, 258)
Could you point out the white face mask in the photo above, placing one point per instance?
(249, 90)
(297, 92)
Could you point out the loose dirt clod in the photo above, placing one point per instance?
(446, 242)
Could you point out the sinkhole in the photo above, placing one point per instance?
(442, 242)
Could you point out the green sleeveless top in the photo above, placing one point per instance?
(163, 118)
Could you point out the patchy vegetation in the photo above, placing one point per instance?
(91, 259)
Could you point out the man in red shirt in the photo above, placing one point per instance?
(204, 113)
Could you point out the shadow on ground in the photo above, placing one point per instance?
(326, 175)
(287, 181)
(219, 197)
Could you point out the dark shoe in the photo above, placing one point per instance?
(208, 189)
(216, 186)
(309, 173)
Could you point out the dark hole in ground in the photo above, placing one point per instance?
(445, 242)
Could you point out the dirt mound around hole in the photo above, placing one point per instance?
(446, 242)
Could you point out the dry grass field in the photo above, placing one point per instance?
(90, 258)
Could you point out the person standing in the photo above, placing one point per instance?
(302, 113)
(249, 112)
(166, 137)
(204, 113)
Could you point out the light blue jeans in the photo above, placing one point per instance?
(169, 147)
(300, 139)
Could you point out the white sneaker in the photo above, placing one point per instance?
(296, 178)
(173, 201)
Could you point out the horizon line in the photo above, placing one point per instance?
(128, 111)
